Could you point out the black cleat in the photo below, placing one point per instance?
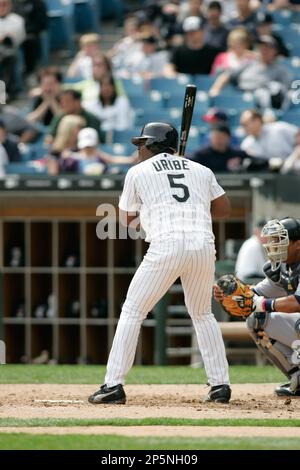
(284, 390)
(107, 395)
(219, 394)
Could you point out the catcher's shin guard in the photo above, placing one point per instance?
(295, 381)
(268, 347)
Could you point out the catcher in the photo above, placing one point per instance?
(272, 307)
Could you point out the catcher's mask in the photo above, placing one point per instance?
(157, 137)
(277, 242)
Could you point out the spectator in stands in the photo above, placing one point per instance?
(158, 18)
(216, 116)
(215, 31)
(169, 26)
(228, 9)
(128, 44)
(89, 160)
(90, 88)
(70, 102)
(17, 125)
(275, 140)
(112, 109)
(34, 13)
(46, 98)
(9, 145)
(12, 35)
(149, 26)
(252, 256)
(82, 65)
(125, 50)
(239, 52)
(266, 77)
(292, 163)
(193, 57)
(190, 8)
(243, 16)
(149, 62)
(65, 140)
(264, 27)
(219, 156)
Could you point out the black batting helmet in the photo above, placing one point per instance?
(292, 226)
(157, 137)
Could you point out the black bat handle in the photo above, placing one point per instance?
(187, 114)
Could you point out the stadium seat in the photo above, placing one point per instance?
(71, 80)
(85, 19)
(19, 84)
(124, 137)
(25, 168)
(238, 134)
(236, 101)
(203, 82)
(44, 48)
(204, 128)
(27, 152)
(291, 38)
(296, 50)
(39, 150)
(291, 64)
(118, 148)
(172, 116)
(234, 117)
(111, 9)
(282, 17)
(61, 27)
(292, 117)
(144, 102)
(167, 85)
(193, 143)
(133, 86)
(176, 101)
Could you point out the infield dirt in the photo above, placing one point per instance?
(144, 401)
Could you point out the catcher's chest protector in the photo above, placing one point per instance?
(290, 278)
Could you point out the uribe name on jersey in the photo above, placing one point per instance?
(163, 164)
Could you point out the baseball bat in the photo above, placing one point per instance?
(187, 114)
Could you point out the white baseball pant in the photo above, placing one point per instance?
(163, 263)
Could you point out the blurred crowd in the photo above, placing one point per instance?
(77, 115)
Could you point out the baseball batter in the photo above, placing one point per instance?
(176, 200)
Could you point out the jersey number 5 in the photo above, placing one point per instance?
(186, 194)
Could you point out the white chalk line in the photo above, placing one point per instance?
(59, 401)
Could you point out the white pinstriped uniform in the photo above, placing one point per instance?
(173, 196)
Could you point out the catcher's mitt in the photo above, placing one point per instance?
(238, 297)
